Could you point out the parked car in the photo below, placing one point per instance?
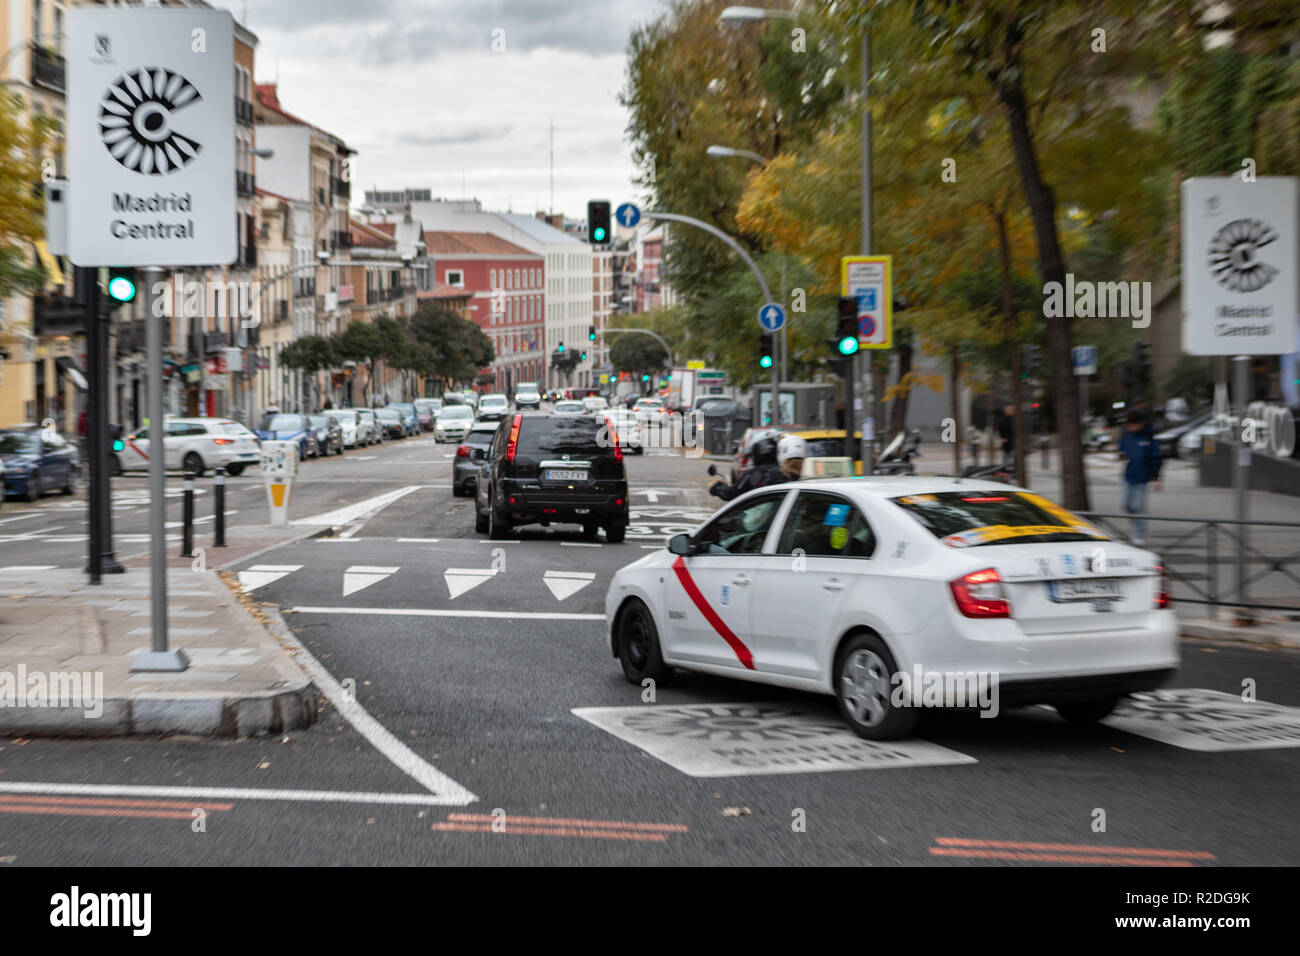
(453, 423)
(453, 398)
(410, 421)
(36, 461)
(552, 469)
(1169, 438)
(197, 444)
(470, 456)
(369, 431)
(329, 434)
(1188, 445)
(390, 420)
(527, 396)
(285, 426)
(348, 426)
(627, 426)
(493, 408)
(569, 407)
(426, 410)
(595, 404)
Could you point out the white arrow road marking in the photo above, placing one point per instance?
(460, 580)
(260, 575)
(565, 584)
(360, 576)
(351, 513)
(652, 495)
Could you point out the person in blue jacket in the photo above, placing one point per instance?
(1140, 449)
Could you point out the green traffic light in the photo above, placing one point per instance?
(118, 444)
(121, 288)
(561, 348)
(765, 361)
(848, 345)
(645, 378)
(598, 233)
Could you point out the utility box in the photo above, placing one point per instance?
(807, 404)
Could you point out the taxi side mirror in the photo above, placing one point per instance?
(680, 544)
(713, 470)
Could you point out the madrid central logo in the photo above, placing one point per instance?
(1234, 255)
(136, 121)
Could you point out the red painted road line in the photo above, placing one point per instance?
(113, 802)
(565, 821)
(1059, 857)
(1074, 848)
(553, 831)
(98, 812)
(693, 592)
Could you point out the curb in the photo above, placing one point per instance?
(1240, 635)
(320, 532)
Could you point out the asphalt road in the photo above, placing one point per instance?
(474, 655)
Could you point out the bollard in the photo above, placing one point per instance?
(219, 493)
(187, 518)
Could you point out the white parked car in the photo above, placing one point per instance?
(369, 431)
(347, 419)
(453, 423)
(194, 444)
(493, 408)
(569, 407)
(838, 586)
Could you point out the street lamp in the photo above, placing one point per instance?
(724, 152)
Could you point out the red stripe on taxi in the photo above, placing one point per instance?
(693, 592)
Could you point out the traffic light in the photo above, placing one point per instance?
(121, 284)
(591, 333)
(583, 356)
(1142, 354)
(115, 432)
(1031, 362)
(560, 348)
(765, 351)
(846, 328)
(645, 378)
(598, 222)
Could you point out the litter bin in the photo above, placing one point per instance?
(718, 417)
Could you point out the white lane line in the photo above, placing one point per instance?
(218, 793)
(650, 547)
(260, 575)
(418, 540)
(651, 496)
(30, 567)
(446, 612)
(580, 544)
(490, 541)
(337, 540)
(22, 517)
(448, 791)
(350, 513)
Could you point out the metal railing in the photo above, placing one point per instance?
(1194, 561)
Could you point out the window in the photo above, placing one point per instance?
(505, 274)
(492, 280)
(456, 277)
(516, 278)
(740, 530)
(826, 525)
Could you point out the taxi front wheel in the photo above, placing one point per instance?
(638, 646)
(863, 683)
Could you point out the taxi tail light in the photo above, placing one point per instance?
(223, 441)
(980, 594)
(1163, 598)
(514, 438)
(462, 451)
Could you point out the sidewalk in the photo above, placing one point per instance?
(66, 648)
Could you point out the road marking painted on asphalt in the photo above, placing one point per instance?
(1066, 853)
(581, 544)
(360, 576)
(234, 793)
(96, 807)
(448, 612)
(559, 826)
(651, 496)
(418, 540)
(30, 567)
(460, 580)
(1194, 718)
(508, 541)
(338, 540)
(448, 791)
(365, 508)
(564, 584)
(260, 575)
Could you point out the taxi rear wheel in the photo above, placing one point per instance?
(863, 686)
(1086, 711)
(638, 646)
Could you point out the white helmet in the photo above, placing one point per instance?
(791, 446)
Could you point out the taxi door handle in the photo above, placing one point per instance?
(742, 580)
(833, 584)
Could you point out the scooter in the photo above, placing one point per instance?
(896, 457)
(997, 472)
(1096, 435)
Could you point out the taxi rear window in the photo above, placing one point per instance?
(967, 519)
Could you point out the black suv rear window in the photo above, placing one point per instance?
(479, 438)
(967, 519)
(563, 434)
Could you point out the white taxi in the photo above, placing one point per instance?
(856, 586)
(194, 444)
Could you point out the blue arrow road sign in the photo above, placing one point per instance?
(627, 215)
(1085, 360)
(771, 317)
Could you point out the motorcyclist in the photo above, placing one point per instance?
(790, 453)
(764, 471)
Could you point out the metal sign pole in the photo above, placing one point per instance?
(1240, 472)
(159, 657)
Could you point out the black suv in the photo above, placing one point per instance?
(544, 468)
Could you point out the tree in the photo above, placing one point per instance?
(309, 354)
(360, 343)
(631, 352)
(23, 140)
(457, 347)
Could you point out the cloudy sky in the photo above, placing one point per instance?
(416, 87)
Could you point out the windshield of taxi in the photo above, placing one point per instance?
(968, 519)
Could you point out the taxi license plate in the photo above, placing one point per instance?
(559, 474)
(1102, 588)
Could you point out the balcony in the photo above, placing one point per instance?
(341, 187)
(341, 238)
(392, 293)
(245, 184)
(243, 111)
(57, 315)
(247, 258)
(48, 68)
(305, 286)
(282, 310)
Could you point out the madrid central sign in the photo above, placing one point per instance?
(151, 137)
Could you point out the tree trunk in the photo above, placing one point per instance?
(1013, 340)
(898, 408)
(955, 367)
(1051, 264)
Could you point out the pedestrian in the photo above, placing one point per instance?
(790, 453)
(1007, 432)
(1139, 448)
